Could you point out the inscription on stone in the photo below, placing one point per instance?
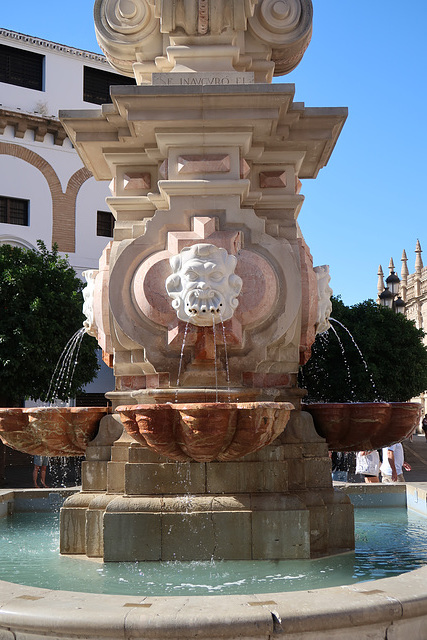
(204, 78)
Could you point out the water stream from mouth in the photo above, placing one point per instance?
(215, 360)
(227, 368)
(181, 357)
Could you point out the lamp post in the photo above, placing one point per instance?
(390, 296)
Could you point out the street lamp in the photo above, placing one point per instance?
(390, 296)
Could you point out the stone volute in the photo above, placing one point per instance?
(264, 37)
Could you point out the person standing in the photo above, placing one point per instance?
(393, 464)
(368, 465)
(342, 465)
(424, 425)
(40, 464)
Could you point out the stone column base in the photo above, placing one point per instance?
(275, 504)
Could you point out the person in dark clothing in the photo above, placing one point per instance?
(341, 463)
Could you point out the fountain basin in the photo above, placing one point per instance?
(50, 431)
(363, 426)
(204, 432)
(397, 604)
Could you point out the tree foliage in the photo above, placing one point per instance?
(392, 365)
(40, 308)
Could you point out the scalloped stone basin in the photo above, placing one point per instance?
(205, 431)
(50, 431)
(364, 426)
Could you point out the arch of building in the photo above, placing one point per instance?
(16, 242)
(63, 203)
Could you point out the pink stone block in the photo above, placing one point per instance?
(209, 163)
(244, 169)
(133, 181)
(272, 179)
(164, 169)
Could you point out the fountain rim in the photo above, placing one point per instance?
(373, 404)
(207, 405)
(399, 600)
(106, 409)
(348, 608)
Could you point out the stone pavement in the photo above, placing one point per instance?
(416, 456)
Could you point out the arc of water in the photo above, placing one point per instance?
(365, 364)
(323, 340)
(345, 363)
(77, 352)
(67, 377)
(64, 366)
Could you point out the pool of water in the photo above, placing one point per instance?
(388, 542)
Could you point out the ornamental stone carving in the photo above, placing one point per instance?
(286, 25)
(142, 37)
(88, 302)
(203, 285)
(200, 17)
(325, 292)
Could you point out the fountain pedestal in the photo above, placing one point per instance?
(276, 503)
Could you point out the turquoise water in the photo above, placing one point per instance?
(388, 542)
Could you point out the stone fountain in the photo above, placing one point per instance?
(205, 304)
(206, 301)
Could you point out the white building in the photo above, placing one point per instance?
(412, 290)
(45, 191)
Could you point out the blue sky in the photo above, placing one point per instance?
(369, 203)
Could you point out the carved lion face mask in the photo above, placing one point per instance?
(203, 285)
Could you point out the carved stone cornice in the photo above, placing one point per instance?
(19, 39)
(40, 125)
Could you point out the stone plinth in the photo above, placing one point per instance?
(276, 503)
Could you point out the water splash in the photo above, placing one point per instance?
(365, 364)
(62, 378)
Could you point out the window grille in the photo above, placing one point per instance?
(104, 224)
(14, 211)
(96, 84)
(22, 68)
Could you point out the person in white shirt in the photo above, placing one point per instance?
(393, 464)
(368, 465)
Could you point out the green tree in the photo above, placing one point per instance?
(392, 365)
(40, 309)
